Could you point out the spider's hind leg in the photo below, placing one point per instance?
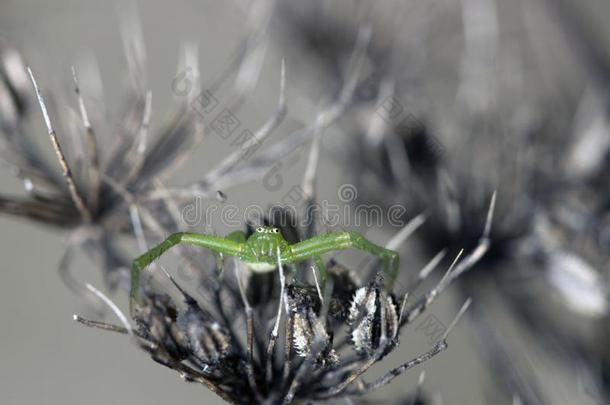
(321, 244)
(389, 258)
(217, 244)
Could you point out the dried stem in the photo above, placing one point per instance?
(77, 198)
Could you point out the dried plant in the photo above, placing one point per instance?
(285, 343)
(90, 194)
(281, 338)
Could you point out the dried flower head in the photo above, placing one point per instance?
(91, 192)
(298, 342)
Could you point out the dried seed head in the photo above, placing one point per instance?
(373, 320)
(205, 347)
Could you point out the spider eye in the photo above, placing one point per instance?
(260, 229)
(275, 230)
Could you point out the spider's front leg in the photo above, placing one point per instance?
(321, 244)
(228, 246)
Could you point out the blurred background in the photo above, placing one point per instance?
(453, 100)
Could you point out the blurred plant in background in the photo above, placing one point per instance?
(281, 337)
(464, 98)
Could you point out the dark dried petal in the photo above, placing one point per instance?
(157, 321)
(344, 287)
(373, 319)
(307, 330)
(209, 343)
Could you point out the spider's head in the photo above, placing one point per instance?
(267, 233)
(263, 244)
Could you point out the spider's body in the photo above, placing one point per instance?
(265, 248)
(261, 249)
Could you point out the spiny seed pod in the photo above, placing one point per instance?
(373, 319)
(206, 347)
(308, 329)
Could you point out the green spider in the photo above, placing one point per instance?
(265, 248)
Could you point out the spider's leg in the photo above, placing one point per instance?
(237, 236)
(214, 243)
(321, 244)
